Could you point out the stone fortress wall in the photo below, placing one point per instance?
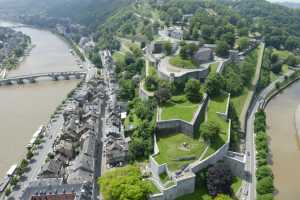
(185, 183)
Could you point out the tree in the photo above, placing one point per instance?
(265, 197)
(14, 181)
(219, 179)
(243, 32)
(141, 109)
(274, 58)
(210, 131)
(29, 154)
(123, 184)
(243, 43)
(96, 59)
(291, 43)
(162, 95)
(207, 33)
(127, 90)
(222, 49)
(151, 83)
(233, 82)
(265, 185)
(277, 67)
(291, 60)
(229, 38)
(263, 171)
(192, 90)
(168, 47)
(184, 52)
(7, 191)
(214, 85)
(222, 197)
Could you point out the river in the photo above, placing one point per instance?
(284, 142)
(23, 108)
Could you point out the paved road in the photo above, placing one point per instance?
(250, 189)
(39, 159)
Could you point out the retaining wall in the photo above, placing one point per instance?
(183, 186)
(177, 125)
(237, 166)
(212, 159)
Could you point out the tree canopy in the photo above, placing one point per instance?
(123, 184)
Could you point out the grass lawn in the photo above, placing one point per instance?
(217, 105)
(282, 54)
(118, 57)
(151, 70)
(171, 147)
(179, 62)
(237, 183)
(239, 101)
(214, 67)
(285, 69)
(179, 108)
(153, 188)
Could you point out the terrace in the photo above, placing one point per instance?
(178, 150)
(179, 108)
(216, 108)
(177, 61)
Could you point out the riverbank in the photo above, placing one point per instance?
(284, 141)
(25, 107)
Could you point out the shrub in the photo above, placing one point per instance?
(265, 186)
(263, 171)
(192, 90)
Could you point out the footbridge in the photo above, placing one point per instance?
(32, 78)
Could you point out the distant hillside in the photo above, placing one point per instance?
(87, 12)
(290, 4)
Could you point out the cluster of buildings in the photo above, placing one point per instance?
(115, 144)
(12, 44)
(71, 169)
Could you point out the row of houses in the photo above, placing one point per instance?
(71, 166)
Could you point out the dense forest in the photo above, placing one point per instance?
(87, 12)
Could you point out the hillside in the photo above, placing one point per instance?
(290, 5)
(86, 12)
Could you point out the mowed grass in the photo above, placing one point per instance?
(179, 108)
(215, 105)
(214, 67)
(118, 57)
(237, 183)
(282, 54)
(171, 148)
(239, 101)
(153, 188)
(177, 61)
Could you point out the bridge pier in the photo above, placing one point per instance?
(31, 80)
(77, 76)
(54, 77)
(20, 81)
(66, 77)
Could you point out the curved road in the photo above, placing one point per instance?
(250, 190)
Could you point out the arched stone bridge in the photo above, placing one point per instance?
(32, 78)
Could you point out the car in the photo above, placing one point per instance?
(248, 153)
